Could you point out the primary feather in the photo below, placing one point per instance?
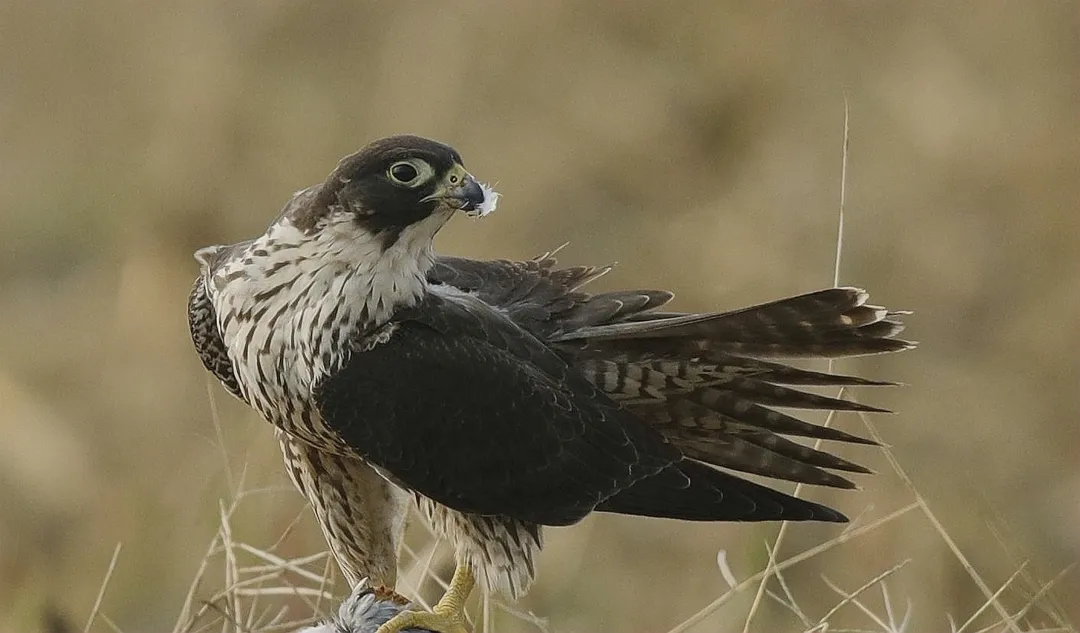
(701, 380)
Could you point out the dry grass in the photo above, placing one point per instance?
(256, 582)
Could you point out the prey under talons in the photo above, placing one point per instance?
(425, 621)
(447, 616)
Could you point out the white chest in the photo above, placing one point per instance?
(289, 308)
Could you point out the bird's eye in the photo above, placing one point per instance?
(410, 173)
(403, 172)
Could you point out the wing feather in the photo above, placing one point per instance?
(702, 380)
(467, 409)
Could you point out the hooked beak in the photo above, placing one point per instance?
(458, 189)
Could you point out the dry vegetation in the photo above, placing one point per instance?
(698, 147)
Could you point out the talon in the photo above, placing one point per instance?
(442, 621)
(448, 616)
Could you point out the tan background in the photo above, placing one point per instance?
(697, 143)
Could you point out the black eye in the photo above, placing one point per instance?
(403, 172)
(411, 173)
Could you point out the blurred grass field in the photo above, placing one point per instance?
(699, 146)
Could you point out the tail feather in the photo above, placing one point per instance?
(780, 374)
(833, 347)
(736, 453)
(803, 453)
(713, 495)
(830, 323)
(595, 360)
(746, 413)
(768, 394)
(738, 444)
(844, 348)
(824, 309)
(727, 389)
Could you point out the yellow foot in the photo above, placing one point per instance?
(448, 616)
(436, 621)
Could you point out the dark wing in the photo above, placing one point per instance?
(707, 382)
(471, 411)
(207, 339)
(466, 408)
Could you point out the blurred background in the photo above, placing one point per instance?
(697, 144)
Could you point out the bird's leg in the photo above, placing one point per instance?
(461, 585)
(447, 616)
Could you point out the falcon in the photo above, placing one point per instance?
(499, 396)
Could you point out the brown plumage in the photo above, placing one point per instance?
(700, 379)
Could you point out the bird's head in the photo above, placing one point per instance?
(393, 186)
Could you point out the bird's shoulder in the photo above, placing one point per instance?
(205, 335)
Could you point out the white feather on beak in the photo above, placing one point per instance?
(491, 200)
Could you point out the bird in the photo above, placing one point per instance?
(364, 610)
(499, 396)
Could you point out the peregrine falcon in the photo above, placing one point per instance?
(499, 395)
